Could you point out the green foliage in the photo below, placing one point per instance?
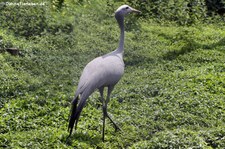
(32, 21)
(171, 95)
(183, 12)
(23, 21)
(174, 139)
(215, 6)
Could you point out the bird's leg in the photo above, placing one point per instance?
(106, 113)
(101, 97)
(101, 90)
(115, 125)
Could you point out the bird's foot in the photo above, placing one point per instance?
(117, 128)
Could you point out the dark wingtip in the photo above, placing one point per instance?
(70, 130)
(72, 116)
(71, 124)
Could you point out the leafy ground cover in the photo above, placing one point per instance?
(171, 95)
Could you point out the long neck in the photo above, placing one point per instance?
(120, 20)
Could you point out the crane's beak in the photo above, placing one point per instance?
(135, 10)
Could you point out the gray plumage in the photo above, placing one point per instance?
(103, 71)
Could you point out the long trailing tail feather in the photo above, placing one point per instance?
(73, 115)
(76, 110)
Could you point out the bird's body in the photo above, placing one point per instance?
(110, 69)
(101, 72)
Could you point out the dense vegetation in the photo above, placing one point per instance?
(172, 92)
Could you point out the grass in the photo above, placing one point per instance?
(171, 95)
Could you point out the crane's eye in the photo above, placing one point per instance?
(127, 7)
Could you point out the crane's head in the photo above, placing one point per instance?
(125, 9)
